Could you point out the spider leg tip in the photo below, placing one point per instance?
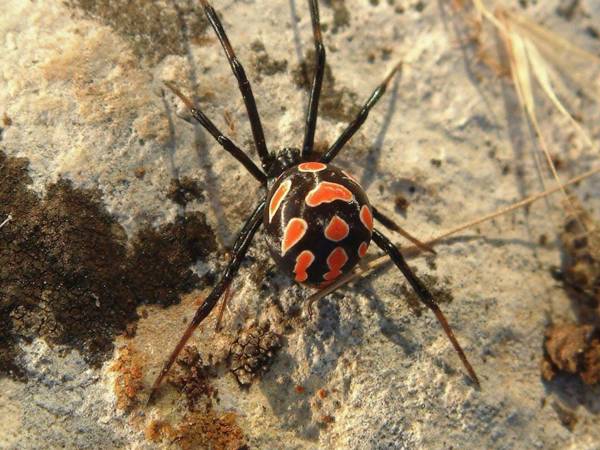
(151, 398)
(179, 94)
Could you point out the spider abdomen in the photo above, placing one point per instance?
(318, 221)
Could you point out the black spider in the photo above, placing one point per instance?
(319, 221)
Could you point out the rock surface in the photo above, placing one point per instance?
(82, 97)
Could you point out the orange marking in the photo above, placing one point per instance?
(278, 197)
(311, 167)
(337, 229)
(362, 249)
(303, 262)
(366, 217)
(335, 261)
(327, 192)
(294, 231)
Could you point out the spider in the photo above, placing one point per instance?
(318, 219)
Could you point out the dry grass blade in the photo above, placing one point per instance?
(371, 265)
(8, 219)
(542, 72)
(554, 42)
(521, 38)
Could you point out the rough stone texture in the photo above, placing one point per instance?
(82, 99)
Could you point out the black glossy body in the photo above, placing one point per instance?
(297, 204)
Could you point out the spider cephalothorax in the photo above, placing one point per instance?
(318, 219)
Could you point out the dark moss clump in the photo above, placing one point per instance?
(68, 274)
(336, 104)
(440, 291)
(341, 15)
(264, 64)
(153, 29)
(185, 190)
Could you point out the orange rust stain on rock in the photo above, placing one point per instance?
(199, 430)
(128, 381)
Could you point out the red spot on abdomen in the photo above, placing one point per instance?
(278, 197)
(294, 231)
(337, 229)
(303, 262)
(327, 192)
(335, 261)
(311, 167)
(366, 217)
(362, 249)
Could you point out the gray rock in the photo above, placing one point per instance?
(82, 86)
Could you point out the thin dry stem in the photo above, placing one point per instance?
(8, 219)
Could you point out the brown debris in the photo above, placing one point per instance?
(581, 240)
(191, 378)
(401, 203)
(574, 349)
(139, 173)
(6, 120)
(326, 419)
(69, 275)
(252, 353)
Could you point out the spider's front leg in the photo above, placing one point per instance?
(238, 252)
(315, 91)
(424, 296)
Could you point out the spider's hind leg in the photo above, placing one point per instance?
(238, 252)
(424, 296)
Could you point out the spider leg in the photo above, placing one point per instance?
(315, 92)
(226, 298)
(354, 126)
(243, 83)
(239, 251)
(424, 295)
(391, 225)
(225, 142)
